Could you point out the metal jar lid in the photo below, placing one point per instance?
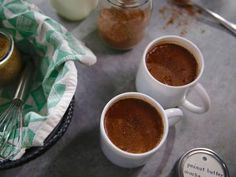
(201, 162)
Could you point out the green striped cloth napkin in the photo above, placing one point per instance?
(54, 51)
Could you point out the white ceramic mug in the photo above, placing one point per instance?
(127, 159)
(172, 96)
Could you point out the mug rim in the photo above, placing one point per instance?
(142, 97)
(199, 60)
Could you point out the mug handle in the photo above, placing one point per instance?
(174, 115)
(204, 98)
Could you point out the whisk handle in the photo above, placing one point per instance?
(24, 81)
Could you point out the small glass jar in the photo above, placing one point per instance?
(122, 23)
(10, 60)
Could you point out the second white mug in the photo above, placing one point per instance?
(127, 159)
(173, 96)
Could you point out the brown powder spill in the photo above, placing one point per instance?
(181, 1)
(180, 17)
(203, 31)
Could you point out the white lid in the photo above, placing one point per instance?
(201, 162)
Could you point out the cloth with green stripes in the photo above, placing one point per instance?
(54, 51)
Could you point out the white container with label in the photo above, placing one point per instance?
(201, 162)
(74, 9)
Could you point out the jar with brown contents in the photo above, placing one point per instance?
(122, 23)
(10, 60)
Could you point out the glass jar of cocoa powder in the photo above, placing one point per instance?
(122, 23)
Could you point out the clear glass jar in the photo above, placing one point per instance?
(122, 23)
(10, 59)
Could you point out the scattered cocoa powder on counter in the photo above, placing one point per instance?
(190, 10)
(178, 16)
(203, 31)
(181, 1)
(183, 32)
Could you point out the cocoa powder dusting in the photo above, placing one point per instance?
(181, 1)
(133, 125)
(171, 64)
(181, 17)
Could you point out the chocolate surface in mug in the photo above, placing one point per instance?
(134, 125)
(171, 64)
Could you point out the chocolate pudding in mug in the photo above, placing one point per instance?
(133, 125)
(171, 64)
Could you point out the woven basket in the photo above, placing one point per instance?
(35, 152)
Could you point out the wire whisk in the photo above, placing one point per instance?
(11, 120)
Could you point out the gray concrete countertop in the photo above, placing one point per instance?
(78, 153)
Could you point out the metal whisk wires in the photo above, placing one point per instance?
(11, 121)
(11, 127)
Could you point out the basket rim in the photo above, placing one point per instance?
(55, 135)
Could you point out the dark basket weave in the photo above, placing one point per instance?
(34, 152)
